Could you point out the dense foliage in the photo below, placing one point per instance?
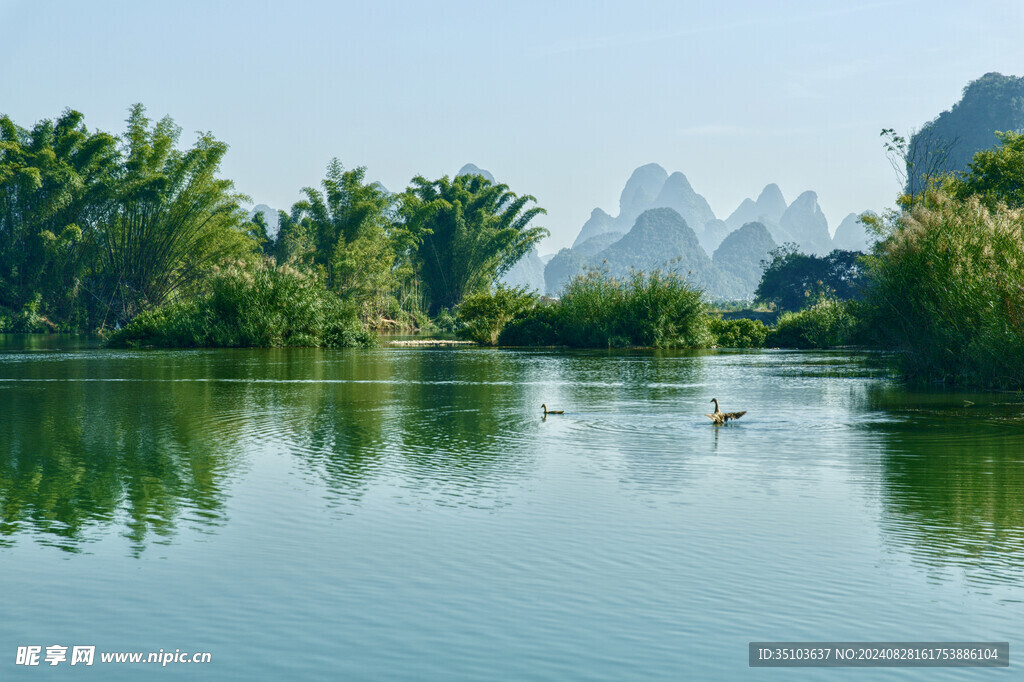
(467, 232)
(737, 333)
(794, 280)
(484, 314)
(94, 229)
(599, 311)
(655, 309)
(97, 231)
(996, 176)
(827, 323)
(948, 291)
(350, 235)
(54, 188)
(171, 219)
(254, 304)
(539, 326)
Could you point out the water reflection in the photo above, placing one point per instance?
(148, 442)
(47, 342)
(78, 456)
(953, 481)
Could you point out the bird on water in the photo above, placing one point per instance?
(547, 411)
(719, 418)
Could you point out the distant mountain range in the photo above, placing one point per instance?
(664, 223)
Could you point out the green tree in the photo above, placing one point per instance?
(794, 280)
(467, 232)
(54, 187)
(349, 232)
(996, 175)
(172, 217)
(348, 209)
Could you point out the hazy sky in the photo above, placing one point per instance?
(561, 100)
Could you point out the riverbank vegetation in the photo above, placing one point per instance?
(948, 292)
(253, 303)
(597, 310)
(943, 288)
(141, 239)
(827, 323)
(100, 233)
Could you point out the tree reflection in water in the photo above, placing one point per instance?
(953, 481)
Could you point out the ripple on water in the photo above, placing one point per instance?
(410, 513)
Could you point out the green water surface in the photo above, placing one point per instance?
(409, 514)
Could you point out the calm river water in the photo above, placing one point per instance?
(408, 514)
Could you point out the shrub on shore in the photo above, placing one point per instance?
(250, 305)
(660, 310)
(737, 333)
(536, 327)
(483, 315)
(598, 311)
(825, 324)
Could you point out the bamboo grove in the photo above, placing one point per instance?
(97, 229)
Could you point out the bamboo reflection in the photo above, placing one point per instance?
(76, 456)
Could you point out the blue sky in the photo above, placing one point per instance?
(561, 100)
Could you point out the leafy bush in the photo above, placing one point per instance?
(660, 310)
(995, 175)
(483, 315)
(948, 291)
(738, 333)
(825, 324)
(538, 326)
(27, 320)
(446, 322)
(251, 305)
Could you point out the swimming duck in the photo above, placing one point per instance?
(719, 418)
(547, 411)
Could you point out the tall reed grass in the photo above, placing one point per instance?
(948, 292)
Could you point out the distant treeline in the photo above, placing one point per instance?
(97, 229)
